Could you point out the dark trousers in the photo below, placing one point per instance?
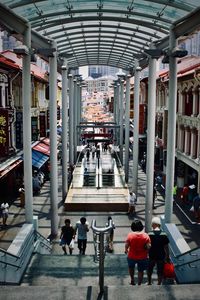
(82, 245)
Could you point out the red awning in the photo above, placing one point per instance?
(43, 148)
(10, 167)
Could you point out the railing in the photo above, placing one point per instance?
(187, 266)
(100, 248)
(186, 261)
(14, 261)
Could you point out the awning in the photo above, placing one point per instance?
(6, 168)
(43, 147)
(38, 159)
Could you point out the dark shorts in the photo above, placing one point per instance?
(158, 263)
(64, 242)
(142, 264)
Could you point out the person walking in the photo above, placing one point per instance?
(82, 227)
(131, 203)
(110, 235)
(136, 247)
(93, 151)
(4, 212)
(196, 206)
(66, 236)
(159, 251)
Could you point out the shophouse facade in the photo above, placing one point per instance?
(187, 167)
(11, 117)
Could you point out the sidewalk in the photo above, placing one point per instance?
(41, 206)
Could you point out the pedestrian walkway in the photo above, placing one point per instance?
(41, 206)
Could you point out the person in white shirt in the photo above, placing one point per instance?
(82, 227)
(4, 211)
(131, 203)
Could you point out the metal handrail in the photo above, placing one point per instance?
(100, 231)
(188, 252)
(187, 263)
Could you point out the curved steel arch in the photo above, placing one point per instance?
(120, 36)
(150, 19)
(118, 26)
(50, 23)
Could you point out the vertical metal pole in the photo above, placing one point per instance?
(71, 121)
(101, 262)
(171, 130)
(53, 142)
(136, 128)
(78, 112)
(117, 112)
(127, 127)
(150, 142)
(26, 99)
(121, 119)
(75, 102)
(64, 131)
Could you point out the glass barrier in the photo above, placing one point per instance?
(98, 180)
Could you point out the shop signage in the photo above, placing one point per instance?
(19, 130)
(4, 132)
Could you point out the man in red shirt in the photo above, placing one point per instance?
(136, 247)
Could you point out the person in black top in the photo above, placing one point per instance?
(66, 236)
(159, 251)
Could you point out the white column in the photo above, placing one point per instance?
(193, 143)
(64, 131)
(121, 119)
(127, 127)
(75, 103)
(195, 103)
(180, 103)
(199, 101)
(117, 113)
(171, 129)
(150, 142)
(187, 141)
(136, 128)
(26, 100)
(198, 144)
(53, 142)
(181, 138)
(71, 122)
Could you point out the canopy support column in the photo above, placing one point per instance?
(53, 142)
(75, 104)
(150, 142)
(127, 127)
(171, 129)
(26, 98)
(71, 122)
(136, 128)
(121, 120)
(64, 131)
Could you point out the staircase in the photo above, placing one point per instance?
(75, 270)
(93, 199)
(76, 277)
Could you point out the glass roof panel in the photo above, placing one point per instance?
(134, 24)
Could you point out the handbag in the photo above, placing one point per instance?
(71, 245)
(168, 270)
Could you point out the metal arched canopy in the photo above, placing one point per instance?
(114, 32)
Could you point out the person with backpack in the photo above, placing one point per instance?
(159, 251)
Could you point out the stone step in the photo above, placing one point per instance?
(94, 200)
(176, 292)
(70, 270)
